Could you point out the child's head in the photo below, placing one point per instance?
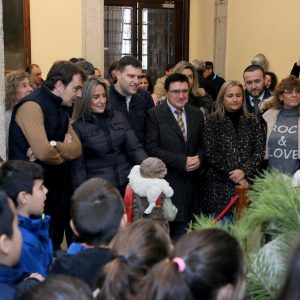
(207, 264)
(59, 287)
(137, 249)
(97, 211)
(10, 235)
(24, 184)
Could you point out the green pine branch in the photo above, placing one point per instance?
(273, 213)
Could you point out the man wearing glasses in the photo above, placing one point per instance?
(174, 133)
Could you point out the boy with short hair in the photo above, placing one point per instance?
(97, 213)
(10, 248)
(23, 182)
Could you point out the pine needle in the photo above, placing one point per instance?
(273, 214)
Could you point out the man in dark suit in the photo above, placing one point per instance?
(254, 78)
(174, 134)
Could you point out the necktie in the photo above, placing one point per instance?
(256, 102)
(128, 99)
(180, 121)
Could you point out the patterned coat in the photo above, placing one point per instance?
(225, 151)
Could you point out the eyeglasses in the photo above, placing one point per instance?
(290, 92)
(178, 92)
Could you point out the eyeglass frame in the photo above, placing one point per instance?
(178, 92)
(290, 92)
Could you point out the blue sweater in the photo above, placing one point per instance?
(37, 246)
(8, 278)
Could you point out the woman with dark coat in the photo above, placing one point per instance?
(109, 145)
(234, 148)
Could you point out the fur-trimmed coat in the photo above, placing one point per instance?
(225, 151)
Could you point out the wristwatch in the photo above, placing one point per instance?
(53, 144)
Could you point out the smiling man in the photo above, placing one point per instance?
(40, 131)
(124, 95)
(174, 133)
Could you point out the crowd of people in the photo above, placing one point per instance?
(72, 140)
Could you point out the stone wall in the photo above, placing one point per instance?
(2, 124)
(220, 35)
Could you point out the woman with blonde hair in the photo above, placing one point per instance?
(197, 95)
(234, 148)
(283, 123)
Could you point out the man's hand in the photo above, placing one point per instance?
(30, 155)
(192, 163)
(236, 175)
(68, 138)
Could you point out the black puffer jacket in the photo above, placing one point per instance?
(108, 151)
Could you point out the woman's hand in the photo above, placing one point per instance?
(236, 175)
(244, 183)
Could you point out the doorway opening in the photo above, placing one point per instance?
(156, 32)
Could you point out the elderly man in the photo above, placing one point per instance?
(40, 131)
(174, 134)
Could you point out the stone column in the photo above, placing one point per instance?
(93, 32)
(220, 35)
(2, 89)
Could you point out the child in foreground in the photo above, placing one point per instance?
(11, 277)
(97, 213)
(206, 264)
(141, 245)
(24, 184)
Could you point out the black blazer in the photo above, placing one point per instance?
(164, 139)
(250, 108)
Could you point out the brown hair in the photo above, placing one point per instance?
(12, 82)
(137, 248)
(211, 259)
(288, 83)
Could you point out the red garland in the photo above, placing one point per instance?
(226, 209)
